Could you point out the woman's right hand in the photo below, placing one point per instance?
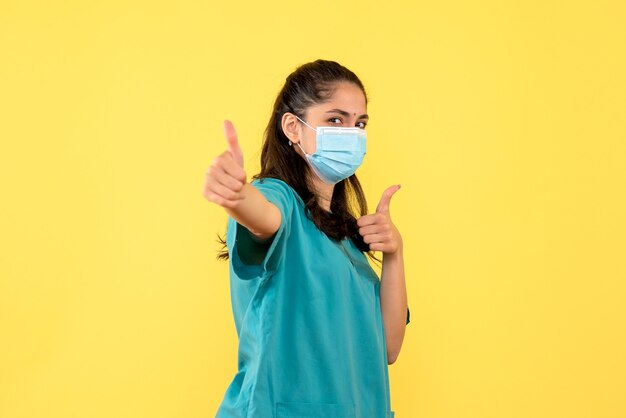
(226, 178)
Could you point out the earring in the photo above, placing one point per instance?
(289, 143)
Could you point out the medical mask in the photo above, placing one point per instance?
(339, 152)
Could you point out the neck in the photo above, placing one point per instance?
(324, 193)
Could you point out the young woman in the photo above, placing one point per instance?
(317, 328)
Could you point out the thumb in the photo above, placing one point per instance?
(383, 205)
(233, 142)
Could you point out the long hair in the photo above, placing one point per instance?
(310, 84)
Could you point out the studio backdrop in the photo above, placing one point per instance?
(503, 121)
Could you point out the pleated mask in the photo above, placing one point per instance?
(339, 152)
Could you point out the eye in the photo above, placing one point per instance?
(332, 119)
(362, 124)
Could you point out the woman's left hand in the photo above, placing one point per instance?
(377, 229)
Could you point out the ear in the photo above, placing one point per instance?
(291, 127)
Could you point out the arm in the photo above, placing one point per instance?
(226, 185)
(393, 302)
(253, 211)
(381, 234)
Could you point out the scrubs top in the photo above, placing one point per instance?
(308, 319)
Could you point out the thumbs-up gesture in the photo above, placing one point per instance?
(377, 229)
(225, 177)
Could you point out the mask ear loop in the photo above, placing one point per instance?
(304, 122)
(304, 152)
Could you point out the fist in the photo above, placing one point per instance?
(226, 177)
(377, 229)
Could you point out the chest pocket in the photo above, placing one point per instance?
(314, 410)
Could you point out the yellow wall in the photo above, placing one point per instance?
(503, 121)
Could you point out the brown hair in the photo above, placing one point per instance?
(310, 84)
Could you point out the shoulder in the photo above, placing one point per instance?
(270, 182)
(276, 187)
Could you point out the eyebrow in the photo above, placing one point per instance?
(344, 113)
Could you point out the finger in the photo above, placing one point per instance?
(374, 238)
(380, 246)
(373, 229)
(225, 179)
(233, 142)
(368, 219)
(220, 200)
(383, 205)
(219, 189)
(230, 166)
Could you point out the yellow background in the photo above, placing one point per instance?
(504, 122)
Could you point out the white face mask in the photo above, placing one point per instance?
(338, 153)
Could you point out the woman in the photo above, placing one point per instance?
(316, 326)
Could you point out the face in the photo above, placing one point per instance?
(346, 108)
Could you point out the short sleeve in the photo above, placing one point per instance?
(248, 257)
(408, 315)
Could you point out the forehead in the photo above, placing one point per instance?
(346, 96)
